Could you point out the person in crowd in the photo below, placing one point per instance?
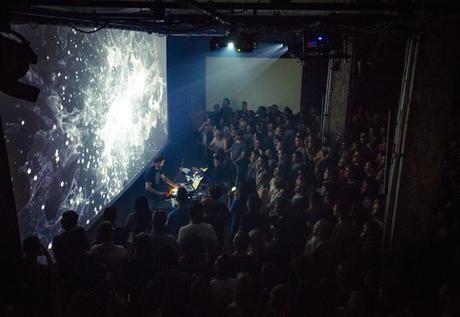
(200, 296)
(204, 231)
(299, 145)
(139, 270)
(277, 190)
(223, 286)
(225, 110)
(271, 160)
(284, 161)
(254, 219)
(219, 143)
(262, 180)
(244, 106)
(218, 215)
(69, 221)
(258, 144)
(261, 165)
(299, 201)
(302, 198)
(252, 167)
(322, 160)
(279, 302)
(318, 210)
(155, 179)
(219, 167)
(279, 248)
(241, 261)
(39, 290)
(80, 271)
(120, 234)
(112, 255)
(158, 236)
(238, 156)
(32, 249)
(168, 292)
(344, 236)
(297, 163)
(139, 220)
(248, 136)
(205, 135)
(194, 259)
(320, 235)
(180, 216)
(370, 239)
(298, 216)
(238, 206)
(245, 301)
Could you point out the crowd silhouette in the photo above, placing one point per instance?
(300, 236)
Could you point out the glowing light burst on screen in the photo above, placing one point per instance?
(105, 116)
(130, 88)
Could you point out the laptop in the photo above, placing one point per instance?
(196, 182)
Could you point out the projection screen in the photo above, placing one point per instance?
(100, 118)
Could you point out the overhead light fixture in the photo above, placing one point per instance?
(245, 43)
(242, 43)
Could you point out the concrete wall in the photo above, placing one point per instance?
(186, 82)
(259, 81)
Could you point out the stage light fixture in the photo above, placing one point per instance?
(217, 42)
(322, 44)
(245, 43)
(242, 43)
(294, 50)
(316, 43)
(16, 56)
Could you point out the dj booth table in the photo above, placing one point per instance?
(195, 180)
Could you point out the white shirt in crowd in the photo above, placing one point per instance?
(203, 230)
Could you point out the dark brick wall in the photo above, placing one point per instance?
(431, 108)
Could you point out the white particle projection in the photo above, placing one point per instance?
(95, 131)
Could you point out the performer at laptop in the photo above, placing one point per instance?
(154, 182)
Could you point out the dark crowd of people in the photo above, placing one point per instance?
(291, 226)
